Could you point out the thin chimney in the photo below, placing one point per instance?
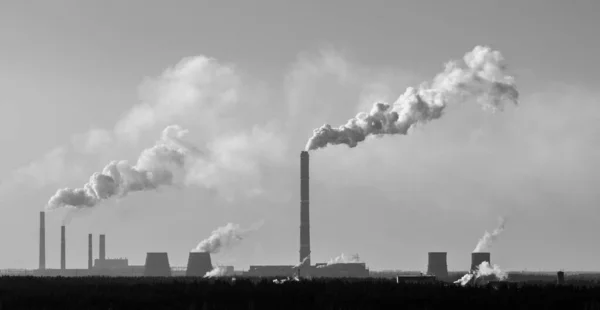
(42, 241)
(63, 264)
(102, 247)
(304, 209)
(90, 254)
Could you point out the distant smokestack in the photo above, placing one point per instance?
(102, 248)
(304, 214)
(479, 257)
(90, 255)
(560, 278)
(63, 263)
(42, 241)
(437, 265)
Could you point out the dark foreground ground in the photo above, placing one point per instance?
(186, 293)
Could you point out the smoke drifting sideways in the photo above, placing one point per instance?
(484, 269)
(489, 238)
(217, 271)
(343, 259)
(481, 77)
(224, 237)
(155, 167)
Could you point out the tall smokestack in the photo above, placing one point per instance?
(90, 255)
(304, 214)
(42, 241)
(102, 248)
(63, 263)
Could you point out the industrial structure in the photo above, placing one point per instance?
(437, 265)
(199, 263)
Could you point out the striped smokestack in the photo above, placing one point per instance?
(42, 241)
(90, 253)
(304, 214)
(63, 263)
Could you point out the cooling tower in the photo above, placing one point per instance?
(157, 265)
(102, 248)
(63, 263)
(42, 241)
(198, 264)
(304, 214)
(437, 265)
(90, 256)
(479, 257)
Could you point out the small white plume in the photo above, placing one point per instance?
(481, 77)
(155, 167)
(488, 238)
(225, 236)
(217, 271)
(301, 263)
(484, 269)
(343, 259)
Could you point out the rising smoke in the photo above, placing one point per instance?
(488, 238)
(482, 77)
(484, 269)
(155, 167)
(343, 259)
(224, 237)
(217, 271)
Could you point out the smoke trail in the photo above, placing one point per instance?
(488, 238)
(484, 269)
(154, 168)
(225, 236)
(482, 77)
(343, 259)
(301, 263)
(217, 271)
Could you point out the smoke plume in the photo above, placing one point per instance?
(301, 263)
(224, 237)
(481, 77)
(488, 238)
(155, 167)
(484, 269)
(343, 259)
(217, 271)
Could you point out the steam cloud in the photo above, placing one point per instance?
(217, 271)
(225, 236)
(155, 167)
(484, 269)
(482, 77)
(488, 238)
(343, 259)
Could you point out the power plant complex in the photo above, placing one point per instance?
(199, 263)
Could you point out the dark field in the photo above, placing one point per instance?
(186, 293)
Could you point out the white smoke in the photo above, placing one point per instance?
(217, 271)
(224, 237)
(482, 77)
(484, 269)
(343, 259)
(488, 238)
(302, 262)
(155, 167)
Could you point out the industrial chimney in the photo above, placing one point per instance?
(90, 255)
(102, 248)
(157, 265)
(198, 264)
(304, 214)
(437, 265)
(479, 257)
(63, 263)
(42, 241)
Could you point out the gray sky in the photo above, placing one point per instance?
(280, 69)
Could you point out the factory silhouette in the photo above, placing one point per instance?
(200, 263)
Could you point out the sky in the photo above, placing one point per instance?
(83, 83)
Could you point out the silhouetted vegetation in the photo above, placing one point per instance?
(191, 293)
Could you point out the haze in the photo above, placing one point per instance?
(250, 81)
